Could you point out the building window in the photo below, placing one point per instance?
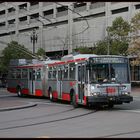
(34, 16)
(11, 21)
(63, 8)
(2, 12)
(11, 10)
(137, 6)
(23, 6)
(34, 3)
(48, 12)
(120, 10)
(2, 24)
(79, 4)
(23, 18)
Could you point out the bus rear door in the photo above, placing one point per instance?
(59, 83)
(32, 81)
(81, 82)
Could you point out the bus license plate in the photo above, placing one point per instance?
(110, 90)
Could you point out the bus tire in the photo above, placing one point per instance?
(75, 105)
(19, 93)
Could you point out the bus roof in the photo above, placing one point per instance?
(78, 56)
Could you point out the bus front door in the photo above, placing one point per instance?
(81, 82)
(59, 84)
(32, 81)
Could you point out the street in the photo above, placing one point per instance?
(60, 120)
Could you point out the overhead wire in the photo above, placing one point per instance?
(79, 15)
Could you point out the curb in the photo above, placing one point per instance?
(30, 104)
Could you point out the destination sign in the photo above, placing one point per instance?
(108, 60)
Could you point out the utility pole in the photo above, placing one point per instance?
(70, 25)
(34, 39)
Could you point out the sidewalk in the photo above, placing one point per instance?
(12, 105)
(7, 104)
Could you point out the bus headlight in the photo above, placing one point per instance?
(95, 93)
(125, 93)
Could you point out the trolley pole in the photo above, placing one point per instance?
(34, 39)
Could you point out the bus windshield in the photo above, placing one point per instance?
(107, 73)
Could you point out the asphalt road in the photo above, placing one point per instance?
(59, 120)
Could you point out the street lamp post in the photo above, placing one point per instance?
(34, 39)
(108, 44)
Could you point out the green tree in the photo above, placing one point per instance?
(13, 51)
(117, 40)
(41, 53)
(119, 29)
(135, 24)
(84, 50)
(134, 47)
(100, 47)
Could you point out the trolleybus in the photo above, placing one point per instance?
(85, 79)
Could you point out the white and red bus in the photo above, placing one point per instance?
(84, 79)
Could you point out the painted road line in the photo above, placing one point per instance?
(43, 137)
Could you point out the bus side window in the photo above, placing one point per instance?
(12, 74)
(72, 72)
(49, 74)
(38, 74)
(18, 73)
(79, 73)
(24, 73)
(34, 72)
(54, 74)
(65, 73)
(59, 74)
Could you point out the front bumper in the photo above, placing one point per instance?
(107, 99)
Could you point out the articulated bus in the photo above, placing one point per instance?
(81, 79)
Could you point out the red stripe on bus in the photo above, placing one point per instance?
(38, 92)
(25, 91)
(85, 100)
(55, 94)
(76, 60)
(30, 66)
(56, 63)
(12, 90)
(66, 96)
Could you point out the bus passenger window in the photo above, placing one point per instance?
(65, 72)
(12, 74)
(18, 73)
(50, 74)
(24, 73)
(72, 72)
(59, 74)
(38, 74)
(54, 74)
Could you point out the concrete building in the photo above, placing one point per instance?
(60, 25)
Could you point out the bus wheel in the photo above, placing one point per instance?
(75, 105)
(19, 92)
